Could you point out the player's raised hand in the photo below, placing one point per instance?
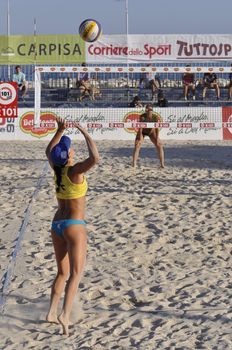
(61, 123)
(79, 127)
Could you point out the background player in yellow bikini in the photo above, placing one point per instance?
(68, 227)
(153, 133)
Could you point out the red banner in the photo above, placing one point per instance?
(227, 123)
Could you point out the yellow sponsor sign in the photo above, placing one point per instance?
(42, 49)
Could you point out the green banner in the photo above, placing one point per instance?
(42, 49)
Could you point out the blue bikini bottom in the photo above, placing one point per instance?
(59, 226)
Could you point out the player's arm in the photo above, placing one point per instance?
(93, 158)
(23, 77)
(14, 79)
(61, 123)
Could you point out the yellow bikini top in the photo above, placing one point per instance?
(69, 190)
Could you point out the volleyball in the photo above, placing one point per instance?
(90, 30)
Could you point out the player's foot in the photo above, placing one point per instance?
(52, 318)
(64, 323)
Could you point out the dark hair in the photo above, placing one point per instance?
(58, 171)
(18, 67)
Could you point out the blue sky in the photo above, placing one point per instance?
(145, 16)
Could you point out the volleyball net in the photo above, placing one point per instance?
(110, 90)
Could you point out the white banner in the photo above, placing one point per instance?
(153, 48)
(112, 123)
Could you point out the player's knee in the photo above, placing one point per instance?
(76, 271)
(62, 274)
(158, 144)
(138, 143)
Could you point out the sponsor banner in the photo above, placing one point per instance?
(71, 49)
(112, 124)
(47, 124)
(8, 99)
(22, 128)
(209, 122)
(227, 122)
(42, 49)
(153, 48)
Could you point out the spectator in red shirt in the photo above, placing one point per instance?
(189, 84)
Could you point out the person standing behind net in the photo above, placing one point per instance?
(68, 226)
(153, 134)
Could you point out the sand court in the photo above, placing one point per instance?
(158, 272)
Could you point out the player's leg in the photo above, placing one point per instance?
(57, 288)
(138, 143)
(154, 136)
(76, 239)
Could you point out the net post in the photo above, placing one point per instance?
(37, 97)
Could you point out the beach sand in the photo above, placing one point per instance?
(158, 272)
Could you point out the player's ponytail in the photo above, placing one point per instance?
(58, 171)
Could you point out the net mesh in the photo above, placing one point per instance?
(106, 100)
(116, 86)
(116, 117)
